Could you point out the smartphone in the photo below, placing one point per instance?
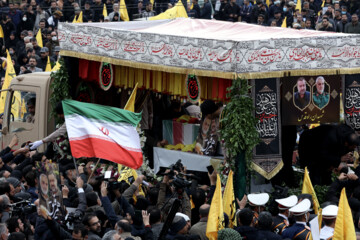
(107, 175)
(210, 169)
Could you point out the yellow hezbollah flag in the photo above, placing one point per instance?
(344, 227)
(130, 105)
(9, 75)
(298, 5)
(216, 214)
(48, 65)
(284, 25)
(192, 5)
(268, 3)
(105, 11)
(177, 11)
(39, 38)
(308, 188)
(123, 11)
(80, 18)
(74, 20)
(322, 6)
(1, 32)
(56, 67)
(229, 200)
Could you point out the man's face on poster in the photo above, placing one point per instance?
(44, 184)
(206, 125)
(301, 86)
(320, 85)
(53, 182)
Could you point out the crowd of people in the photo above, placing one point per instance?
(136, 209)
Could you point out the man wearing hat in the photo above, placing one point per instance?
(88, 12)
(257, 203)
(329, 214)
(178, 228)
(44, 53)
(54, 19)
(281, 221)
(56, 54)
(299, 231)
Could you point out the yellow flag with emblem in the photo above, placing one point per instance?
(48, 65)
(284, 24)
(105, 11)
(126, 172)
(298, 5)
(308, 188)
(123, 11)
(216, 213)
(56, 67)
(229, 200)
(344, 225)
(177, 11)
(39, 38)
(1, 32)
(9, 75)
(80, 18)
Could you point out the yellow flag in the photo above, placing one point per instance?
(56, 67)
(74, 20)
(177, 11)
(39, 38)
(105, 11)
(9, 75)
(284, 25)
(344, 225)
(322, 5)
(268, 3)
(229, 200)
(80, 18)
(216, 214)
(298, 5)
(130, 105)
(308, 188)
(48, 65)
(123, 11)
(320, 218)
(1, 32)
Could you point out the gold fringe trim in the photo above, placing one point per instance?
(265, 174)
(148, 66)
(207, 73)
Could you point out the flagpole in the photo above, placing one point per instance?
(77, 171)
(92, 172)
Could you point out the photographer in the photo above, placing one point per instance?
(178, 193)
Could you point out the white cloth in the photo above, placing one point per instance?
(36, 144)
(326, 232)
(282, 215)
(192, 161)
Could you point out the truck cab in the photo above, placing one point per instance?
(27, 109)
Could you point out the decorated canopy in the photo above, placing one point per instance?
(213, 48)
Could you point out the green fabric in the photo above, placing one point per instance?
(229, 234)
(320, 100)
(99, 112)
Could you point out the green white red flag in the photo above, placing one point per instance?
(103, 132)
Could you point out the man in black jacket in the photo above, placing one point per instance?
(245, 228)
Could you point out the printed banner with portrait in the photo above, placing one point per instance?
(267, 159)
(50, 194)
(351, 100)
(311, 99)
(207, 142)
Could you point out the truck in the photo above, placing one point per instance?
(25, 88)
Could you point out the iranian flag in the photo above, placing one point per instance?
(103, 132)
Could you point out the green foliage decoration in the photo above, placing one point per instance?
(238, 123)
(60, 88)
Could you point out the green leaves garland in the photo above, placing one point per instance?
(238, 123)
(60, 88)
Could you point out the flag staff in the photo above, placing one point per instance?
(92, 172)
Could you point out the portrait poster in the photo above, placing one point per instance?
(351, 100)
(50, 194)
(208, 139)
(267, 159)
(311, 99)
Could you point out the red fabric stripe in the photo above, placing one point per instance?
(98, 148)
(178, 132)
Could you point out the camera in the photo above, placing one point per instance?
(180, 183)
(22, 208)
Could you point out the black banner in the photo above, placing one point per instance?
(310, 99)
(267, 154)
(351, 99)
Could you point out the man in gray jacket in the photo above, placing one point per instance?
(200, 227)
